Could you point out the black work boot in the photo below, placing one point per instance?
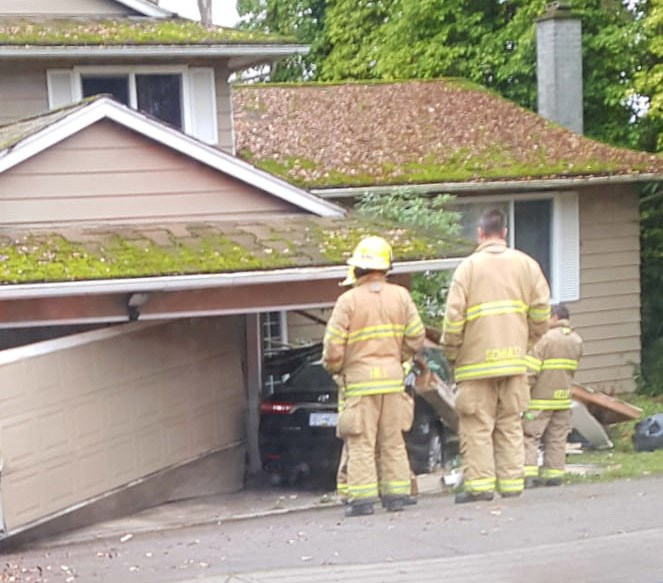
(553, 482)
(410, 500)
(359, 509)
(463, 497)
(394, 504)
(531, 482)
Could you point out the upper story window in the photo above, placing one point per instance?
(184, 97)
(545, 227)
(158, 94)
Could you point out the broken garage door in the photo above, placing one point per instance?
(84, 415)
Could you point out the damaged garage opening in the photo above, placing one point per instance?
(103, 422)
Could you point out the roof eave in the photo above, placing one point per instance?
(203, 281)
(147, 8)
(257, 53)
(490, 186)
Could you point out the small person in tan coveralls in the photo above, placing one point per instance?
(552, 362)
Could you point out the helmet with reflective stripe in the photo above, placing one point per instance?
(372, 253)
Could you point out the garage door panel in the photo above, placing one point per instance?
(121, 462)
(19, 441)
(43, 371)
(151, 450)
(87, 418)
(21, 496)
(93, 412)
(61, 489)
(118, 418)
(15, 388)
(178, 439)
(92, 471)
(54, 432)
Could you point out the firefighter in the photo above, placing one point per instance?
(553, 362)
(373, 329)
(498, 306)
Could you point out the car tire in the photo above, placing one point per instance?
(429, 456)
(435, 458)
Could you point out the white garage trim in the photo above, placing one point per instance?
(192, 282)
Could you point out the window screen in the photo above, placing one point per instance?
(533, 231)
(117, 86)
(161, 97)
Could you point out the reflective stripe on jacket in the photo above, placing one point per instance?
(373, 328)
(553, 362)
(498, 305)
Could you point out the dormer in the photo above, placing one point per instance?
(57, 52)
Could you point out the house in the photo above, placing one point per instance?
(137, 254)
(571, 202)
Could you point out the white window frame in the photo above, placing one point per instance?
(131, 72)
(267, 345)
(556, 232)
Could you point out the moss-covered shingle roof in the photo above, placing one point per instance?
(114, 252)
(14, 132)
(361, 134)
(26, 32)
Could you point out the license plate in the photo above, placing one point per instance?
(323, 419)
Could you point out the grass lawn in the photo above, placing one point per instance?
(623, 461)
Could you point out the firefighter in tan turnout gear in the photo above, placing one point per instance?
(497, 307)
(553, 361)
(373, 329)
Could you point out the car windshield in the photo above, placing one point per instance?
(309, 377)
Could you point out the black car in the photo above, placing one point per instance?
(298, 428)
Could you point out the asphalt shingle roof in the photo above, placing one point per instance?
(361, 134)
(27, 32)
(116, 251)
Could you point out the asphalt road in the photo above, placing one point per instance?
(608, 532)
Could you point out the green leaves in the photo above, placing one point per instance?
(432, 215)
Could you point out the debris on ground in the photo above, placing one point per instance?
(648, 433)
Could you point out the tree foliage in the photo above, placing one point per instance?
(649, 80)
(303, 20)
(651, 281)
(432, 214)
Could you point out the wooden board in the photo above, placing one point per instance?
(606, 409)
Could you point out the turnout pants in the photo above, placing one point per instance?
(491, 433)
(372, 427)
(550, 428)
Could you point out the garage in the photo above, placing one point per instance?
(135, 262)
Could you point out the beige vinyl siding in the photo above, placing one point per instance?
(23, 91)
(65, 7)
(82, 415)
(608, 313)
(107, 173)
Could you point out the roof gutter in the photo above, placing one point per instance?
(166, 51)
(495, 186)
(202, 281)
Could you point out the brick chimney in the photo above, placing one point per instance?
(559, 66)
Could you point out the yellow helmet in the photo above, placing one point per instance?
(350, 278)
(372, 253)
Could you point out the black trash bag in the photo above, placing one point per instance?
(648, 434)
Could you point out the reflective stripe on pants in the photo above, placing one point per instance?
(551, 428)
(381, 420)
(491, 433)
